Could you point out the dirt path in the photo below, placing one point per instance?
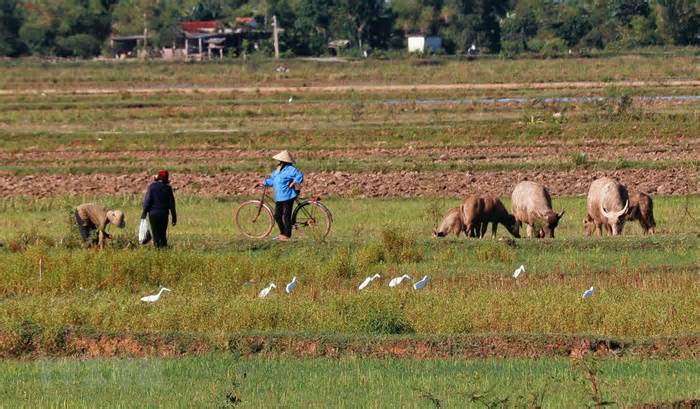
(308, 346)
(363, 184)
(358, 88)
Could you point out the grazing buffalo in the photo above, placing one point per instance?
(642, 209)
(608, 202)
(478, 212)
(532, 205)
(451, 224)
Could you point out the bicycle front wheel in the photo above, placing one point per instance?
(313, 219)
(254, 219)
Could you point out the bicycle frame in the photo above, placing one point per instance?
(299, 202)
(262, 201)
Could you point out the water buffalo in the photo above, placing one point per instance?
(532, 205)
(451, 224)
(478, 212)
(608, 202)
(641, 208)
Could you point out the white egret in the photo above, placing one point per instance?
(397, 280)
(292, 285)
(588, 293)
(367, 281)
(519, 271)
(265, 291)
(290, 100)
(420, 284)
(155, 297)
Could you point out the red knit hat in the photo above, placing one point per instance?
(163, 175)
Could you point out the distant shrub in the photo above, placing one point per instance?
(400, 246)
(370, 254)
(28, 337)
(579, 159)
(553, 48)
(510, 48)
(78, 45)
(387, 320)
(489, 251)
(340, 265)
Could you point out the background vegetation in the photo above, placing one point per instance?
(79, 28)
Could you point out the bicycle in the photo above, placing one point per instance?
(254, 218)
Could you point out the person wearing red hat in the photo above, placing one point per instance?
(158, 203)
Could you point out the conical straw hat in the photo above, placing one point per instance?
(284, 156)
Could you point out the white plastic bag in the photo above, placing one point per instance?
(144, 231)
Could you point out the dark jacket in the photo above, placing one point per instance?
(159, 199)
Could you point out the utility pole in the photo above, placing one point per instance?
(275, 35)
(145, 33)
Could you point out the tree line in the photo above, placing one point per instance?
(81, 28)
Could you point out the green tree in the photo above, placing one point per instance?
(129, 17)
(67, 28)
(474, 21)
(518, 28)
(10, 22)
(417, 16)
(312, 27)
(358, 17)
(623, 11)
(569, 21)
(679, 21)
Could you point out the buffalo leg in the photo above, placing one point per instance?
(494, 227)
(608, 228)
(529, 231)
(484, 227)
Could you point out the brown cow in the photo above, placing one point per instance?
(451, 224)
(478, 212)
(641, 208)
(532, 205)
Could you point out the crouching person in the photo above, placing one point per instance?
(91, 217)
(160, 201)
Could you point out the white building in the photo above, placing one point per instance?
(421, 43)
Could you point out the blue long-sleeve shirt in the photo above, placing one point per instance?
(280, 180)
(159, 198)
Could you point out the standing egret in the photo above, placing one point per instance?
(519, 271)
(155, 297)
(397, 280)
(420, 284)
(265, 291)
(588, 293)
(290, 100)
(367, 281)
(292, 285)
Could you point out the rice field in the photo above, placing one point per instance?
(389, 162)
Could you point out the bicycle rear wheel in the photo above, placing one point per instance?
(312, 219)
(254, 220)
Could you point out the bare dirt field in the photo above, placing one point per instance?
(362, 184)
(599, 150)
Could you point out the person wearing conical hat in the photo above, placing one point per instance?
(90, 217)
(286, 181)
